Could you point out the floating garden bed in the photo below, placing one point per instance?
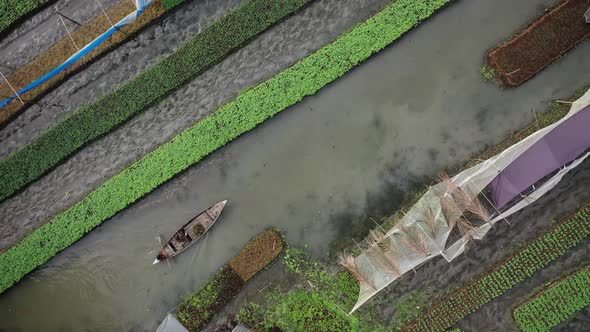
(540, 43)
(251, 108)
(197, 310)
(532, 257)
(322, 309)
(14, 11)
(556, 303)
(92, 121)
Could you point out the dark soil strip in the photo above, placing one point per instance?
(198, 310)
(529, 259)
(541, 43)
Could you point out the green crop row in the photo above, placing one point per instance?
(92, 121)
(12, 11)
(535, 255)
(198, 309)
(556, 303)
(172, 3)
(244, 113)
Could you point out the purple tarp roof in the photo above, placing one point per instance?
(560, 146)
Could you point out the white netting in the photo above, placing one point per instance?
(423, 232)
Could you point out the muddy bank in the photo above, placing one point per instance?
(38, 32)
(273, 51)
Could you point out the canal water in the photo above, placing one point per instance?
(415, 108)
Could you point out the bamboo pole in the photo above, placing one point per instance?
(67, 30)
(13, 90)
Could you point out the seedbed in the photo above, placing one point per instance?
(529, 259)
(197, 310)
(540, 43)
(556, 303)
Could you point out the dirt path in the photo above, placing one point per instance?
(275, 50)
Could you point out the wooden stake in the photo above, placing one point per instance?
(496, 209)
(67, 30)
(13, 90)
(67, 18)
(564, 102)
(105, 13)
(513, 72)
(536, 119)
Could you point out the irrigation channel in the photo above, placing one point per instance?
(412, 110)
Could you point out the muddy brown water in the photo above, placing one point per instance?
(414, 109)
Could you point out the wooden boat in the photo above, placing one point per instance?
(190, 232)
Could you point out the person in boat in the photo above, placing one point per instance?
(180, 236)
(161, 256)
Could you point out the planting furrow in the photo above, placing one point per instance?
(540, 43)
(532, 257)
(250, 109)
(14, 11)
(196, 311)
(556, 303)
(92, 121)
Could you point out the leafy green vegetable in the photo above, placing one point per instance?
(307, 311)
(199, 308)
(532, 257)
(251, 108)
(196, 311)
(556, 303)
(92, 121)
(172, 3)
(12, 11)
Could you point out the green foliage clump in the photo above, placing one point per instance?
(197, 310)
(169, 4)
(198, 229)
(13, 11)
(488, 72)
(307, 311)
(408, 308)
(251, 314)
(341, 288)
(556, 303)
(248, 110)
(532, 257)
(90, 122)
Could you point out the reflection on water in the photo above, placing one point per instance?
(416, 108)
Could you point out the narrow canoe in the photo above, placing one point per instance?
(190, 232)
